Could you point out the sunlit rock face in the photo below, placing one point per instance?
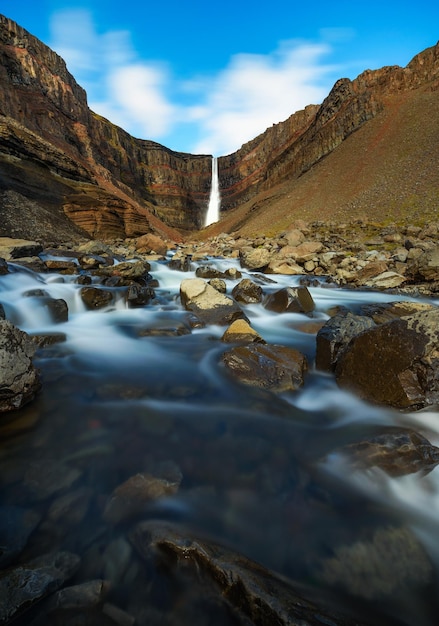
(289, 149)
(57, 153)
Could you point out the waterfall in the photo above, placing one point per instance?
(213, 210)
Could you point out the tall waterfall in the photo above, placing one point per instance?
(213, 210)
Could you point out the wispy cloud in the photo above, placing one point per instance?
(222, 111)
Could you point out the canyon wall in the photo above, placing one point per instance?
(66, 171)
(291, 148)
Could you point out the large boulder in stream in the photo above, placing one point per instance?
(279, 368)
(208, 304)
(395, 363)
(19, 379)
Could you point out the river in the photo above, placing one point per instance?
(140, 390)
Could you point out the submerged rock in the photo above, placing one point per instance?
(24, 586)
(274, 367)
(19, 379)
(254, 594)
(240, 331)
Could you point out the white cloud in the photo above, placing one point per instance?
(220, 112)
(256, 91)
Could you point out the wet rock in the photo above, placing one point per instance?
(335, 335)
(206, 272)
(137, 271)
(2, 312)
(181, 263)
(396, 451)
(278, 368)
(95, 298)
(138, 295)
(22, 587)
(117, 616)
(48, 339)
(45, 478)
(254, 258)
(19, 379)
(370, 271)
(219, 284)
(3, 267)
(391, 561)
(84, 595)
(207, 303)
(240, 331)
(247, 292)
(395, 363)
(290, 300)
(130, 498)
(16, 525)
(58, 309)
(254, 594)
(70, 508)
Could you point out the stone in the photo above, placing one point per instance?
(392, 560)
(11, 248)
(137, 271)
(19, 379)
(427, 265)
(3, 267)
(278, 368)
(151, 243)
(22, 587)
(395, 363)
(96, 298)
(294, 237)
(335, 335)
(386, 280)
(138, 295)
(240, 331)
(290, 300)
(16, 525)
(130, 498)
(289, 268)
(219, 284)
(44, 478)
(211, 306)
(247, 292)
(255, 594)
(254, 258)
(396, 451)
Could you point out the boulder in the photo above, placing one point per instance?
(335, 335)
(396, 363)
(254, 258)
(208, 304)
(138, 295)
(426, 265)
(386, 280)
(397, 451)
(11, 248)
(19, 379)
(240, 331)
(290, 300)
(131, 497)
(151, 244)
(95, 298)
(279, 368)
(22, 587)
(247, 292)
(254, 594)
(3, 267)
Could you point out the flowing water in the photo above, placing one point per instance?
(131, 391)
(213, 209)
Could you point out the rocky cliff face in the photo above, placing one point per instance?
(63, 165)
(293, 147)
(59, 155)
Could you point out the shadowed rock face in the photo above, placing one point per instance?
(68, 165)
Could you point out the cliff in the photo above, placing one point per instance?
(289, 149)
(63, 160)
(371, 147)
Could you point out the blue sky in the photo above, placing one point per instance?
(205, 77)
